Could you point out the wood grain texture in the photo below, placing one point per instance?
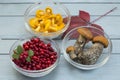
(88, 1)
(65, 71)
(5, 46)
(14, 26)
(93, 9)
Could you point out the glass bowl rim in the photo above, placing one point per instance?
(65, 9)
(35, 71)
(82, 66)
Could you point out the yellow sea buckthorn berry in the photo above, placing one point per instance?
(38, 21)
(52, 16)
(39, 13)
(48, 10)
(52, 29)
(45, 31)
(33, 22)
(42, 29)
(46, 21)
(59, 17)
(44, 17)
(53, 21)
(47, 25)
(38, 29)
(61, 26)
(42, 24)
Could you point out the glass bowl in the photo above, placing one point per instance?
(70, 39)
(35, 73)
(57, 8)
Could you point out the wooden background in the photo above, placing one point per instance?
(12, 28)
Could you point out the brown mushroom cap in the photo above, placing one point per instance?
(102, 40)
(85, 33)
(70, 48)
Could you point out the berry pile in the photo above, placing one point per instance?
(34, 55)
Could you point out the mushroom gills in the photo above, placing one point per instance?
(91, 55)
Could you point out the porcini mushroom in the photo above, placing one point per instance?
(91, 55)
(85, 34)
(71, 51)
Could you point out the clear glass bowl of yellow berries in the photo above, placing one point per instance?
(47, 19)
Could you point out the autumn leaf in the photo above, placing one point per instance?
(84, 16)
(75, 22)
(83, 19)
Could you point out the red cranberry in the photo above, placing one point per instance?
(44, 55)
(38, 67)
(24, 67)
(41, 56)
(35, 58)
(48, 45)
(36, 40)
(36, 53)
(37, 44)
(51, 49)
(43, 66)
(42, 52)
(31, 46)
(49, 62)
(32, 40)
(26, 47)
(36, 49)
(40, 45)
(34, 68)
(52, 57)
(28, 43)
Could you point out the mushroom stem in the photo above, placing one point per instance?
(72, 55)
(79, 44)
(71, 51)
(85, 34)
(91, 55)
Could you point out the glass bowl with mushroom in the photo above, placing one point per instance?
(46, 19)
(34, 57)
(86, 47)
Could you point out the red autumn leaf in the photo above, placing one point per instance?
(82, 20)
(98, 30)
(75, 22)
(85, 16)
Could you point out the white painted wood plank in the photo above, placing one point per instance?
(93, 9)
(115, 46)
(14, 26)
(5, 46)
(65, 71)
(17, 1)
(110, 25)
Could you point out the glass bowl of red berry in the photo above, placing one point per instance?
(34, 57)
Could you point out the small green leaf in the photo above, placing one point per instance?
(34, 36)
(28, 59)
(19, 49)
(30, 53)
(15, 56)
(15, 51)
